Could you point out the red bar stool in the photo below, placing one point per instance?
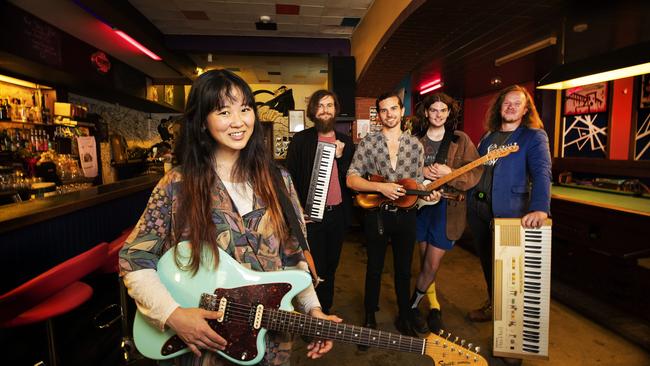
(53, 293)
(111, 265)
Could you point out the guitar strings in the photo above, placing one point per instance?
(244, 313)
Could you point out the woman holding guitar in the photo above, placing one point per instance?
(438, 226)
(222, 195)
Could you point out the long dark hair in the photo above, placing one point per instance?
(493, 117)
(195, 151)
(421, 124)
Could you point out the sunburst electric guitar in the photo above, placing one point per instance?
(256, 302)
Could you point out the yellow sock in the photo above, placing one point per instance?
(431, 295)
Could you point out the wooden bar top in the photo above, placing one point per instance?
(17, 215)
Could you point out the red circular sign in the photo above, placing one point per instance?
(101, 62)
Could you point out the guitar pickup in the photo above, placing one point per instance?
(257, 323)
(222, 308)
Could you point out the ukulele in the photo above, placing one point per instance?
(368, 200)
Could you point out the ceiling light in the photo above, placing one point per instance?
(618, 64)
(137, 45)
(430, 83)
(495, 81)
(25, 83)
(265, 18)
(580, 27)
(431, 88)
(209, 57)
(526, 50)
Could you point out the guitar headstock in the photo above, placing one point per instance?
(503, 151)
(447, 351)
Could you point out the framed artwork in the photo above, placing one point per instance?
(585, 136)
(585, 99)
(169, 94)
(360, 129)
(296, 120)
(642, 135)
(644, 101)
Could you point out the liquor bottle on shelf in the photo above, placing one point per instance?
(3, 110)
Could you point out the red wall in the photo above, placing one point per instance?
(621, 119)
(474, 110)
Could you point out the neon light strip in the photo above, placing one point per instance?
(137, 45)
(422, 87)
(432, 88)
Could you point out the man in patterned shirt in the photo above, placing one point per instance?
(394, 155)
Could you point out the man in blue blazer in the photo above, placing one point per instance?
(517, 185)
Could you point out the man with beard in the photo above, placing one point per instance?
(518, 185)
(326, 237)
(394, 155)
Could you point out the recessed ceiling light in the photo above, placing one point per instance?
(580, 27)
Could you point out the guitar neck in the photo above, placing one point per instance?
(280, 320)
(456, 173)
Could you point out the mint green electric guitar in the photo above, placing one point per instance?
(255, 302)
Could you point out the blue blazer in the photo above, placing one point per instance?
(522, 180)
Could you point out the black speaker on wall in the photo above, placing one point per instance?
(342, 82)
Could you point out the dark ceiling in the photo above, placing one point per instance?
(449, 39)
(456, 41)
(459, 41)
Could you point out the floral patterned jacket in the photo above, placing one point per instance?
(248, 239)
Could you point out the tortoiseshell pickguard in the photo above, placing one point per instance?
(237, 326)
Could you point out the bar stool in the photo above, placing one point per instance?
(111, 265)
(50, 294)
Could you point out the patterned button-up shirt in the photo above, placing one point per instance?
(371, 157)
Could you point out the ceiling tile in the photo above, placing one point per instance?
(331, 20)
(311, 10)
(307, 20)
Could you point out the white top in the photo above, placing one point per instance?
(242, 196)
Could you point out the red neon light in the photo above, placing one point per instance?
(432, 88)
(137, 45)
(433, 82)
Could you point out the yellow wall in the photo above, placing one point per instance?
(301, 92)
(371, 30)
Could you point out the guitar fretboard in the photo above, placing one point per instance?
(280, 320)
(469, 166)
(285, 321)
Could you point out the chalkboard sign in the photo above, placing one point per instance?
(41, 41)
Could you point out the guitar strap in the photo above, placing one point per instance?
(291, 217)
(441, 155)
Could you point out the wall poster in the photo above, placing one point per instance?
(642, 135)
(585, 136)
(585, 99)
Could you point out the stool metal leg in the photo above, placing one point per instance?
(129, 351)
(51, 347)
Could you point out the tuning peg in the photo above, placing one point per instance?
(462, 342)
(456, 340)
(441, 332)
(478, 349)
(469, 346)
(448, 335)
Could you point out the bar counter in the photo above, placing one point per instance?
(14, 216)
(39, 234)
(600, 246)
